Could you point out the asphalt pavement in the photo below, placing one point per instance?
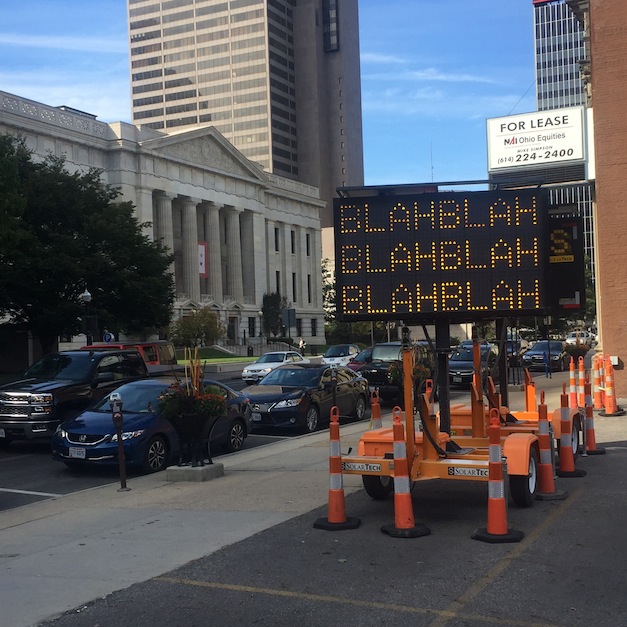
(242, 549)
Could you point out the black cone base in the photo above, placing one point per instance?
(349, 523)
(619, 412)
(557, 495)
(416, 531)
(569, 474)
(512, 535)
(599, 450)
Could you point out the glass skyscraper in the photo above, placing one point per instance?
(280, 79)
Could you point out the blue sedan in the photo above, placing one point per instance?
(150, 441)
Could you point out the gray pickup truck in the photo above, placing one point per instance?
(61, 385)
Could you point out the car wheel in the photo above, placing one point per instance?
(378, 487)
(576, 437)
(312, 418)
(360, 408)
(156, 455)
(235, 437)
(523, 488)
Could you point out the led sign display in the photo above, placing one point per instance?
(454, 255)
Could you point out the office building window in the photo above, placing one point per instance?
(278, 281)
(276, 239)
(309, 288)
(314, 327)
(293, 241)
(294, 287)
(308, 244)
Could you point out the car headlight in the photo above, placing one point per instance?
(62, 432)
(41, 398)
(292, 402)
(555, 357)
(127, 435)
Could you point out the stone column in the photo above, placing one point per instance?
(214, 259)
(235, 285)
(165, 231)
(190, 250)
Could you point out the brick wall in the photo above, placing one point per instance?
(608, 39)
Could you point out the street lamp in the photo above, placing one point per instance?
(85, 298)
(260, 314)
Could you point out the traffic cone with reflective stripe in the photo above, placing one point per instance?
(497, 529)
(404, 524)
(611, 408)
(546, 481)
(591, 447)
(567, 457)
(572, 396)
(581, 381)
(596, 383)
(375, 414)
(336, 519)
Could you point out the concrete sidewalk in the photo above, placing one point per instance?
(60, 554)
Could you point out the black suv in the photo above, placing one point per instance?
(386, 370)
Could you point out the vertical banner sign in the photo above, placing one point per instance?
(203, 249)
(566, 274)
(454, 255)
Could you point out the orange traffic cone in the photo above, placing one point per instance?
(546, 481)
(404, 525)
(611, 408)
(572, 396)
(581, 381)
(567, 458)
(375, 416)
(597, 361)
(336, 519)
(497, 530)
(590, 446)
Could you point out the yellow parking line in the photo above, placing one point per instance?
(455, 608)
(323, 598)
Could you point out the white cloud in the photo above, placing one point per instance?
(373, 57)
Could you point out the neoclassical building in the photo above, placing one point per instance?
(237, 232)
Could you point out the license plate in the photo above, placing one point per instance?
(457, 379)
(256, 416)
(2, 433)
(77, 453)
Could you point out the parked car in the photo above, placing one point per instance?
(150, 441)
(268, 362)
(515, 350)
(340, 354)
(545, 351)
(461, 364)
(155, 353)
(361, 359)
(61, 385)
(580, 337)
(384, 372)
(300, 396)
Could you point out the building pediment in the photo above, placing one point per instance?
(206, 148)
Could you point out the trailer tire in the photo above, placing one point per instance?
(523, 487)
(378, 487)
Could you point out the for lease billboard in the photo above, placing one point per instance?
(536, 139)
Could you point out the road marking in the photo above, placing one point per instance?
(454, 610)
(323, 598)
(29, 493)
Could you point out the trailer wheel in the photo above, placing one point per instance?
(378, 487)
(522, 488)
(576, 438)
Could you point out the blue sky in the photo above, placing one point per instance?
(432, 72)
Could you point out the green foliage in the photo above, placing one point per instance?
(272, 308)
(201, 328)
(64, 232)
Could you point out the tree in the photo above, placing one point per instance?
(272, 308)
(63, 233)
(200, 328)
(328, 291)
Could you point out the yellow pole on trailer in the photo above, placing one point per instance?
(408, 395)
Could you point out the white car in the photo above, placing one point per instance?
(580, 337)
(340, 354)
(268, 362)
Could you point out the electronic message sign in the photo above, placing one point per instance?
(427, 256)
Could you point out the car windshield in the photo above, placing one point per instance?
(543, 347)
(294, 377)
(465, 354)
(136, 398)
(270, 358)
(59, 366)
(364, 355)
(337, 351)
(386, 353)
